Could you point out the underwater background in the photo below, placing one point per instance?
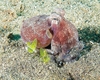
(17, 64)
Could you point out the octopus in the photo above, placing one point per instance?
(56, 31)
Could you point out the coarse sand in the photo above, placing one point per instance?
(17, 64)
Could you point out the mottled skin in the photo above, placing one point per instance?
(53, 29)
(36, 27)
(65, 36)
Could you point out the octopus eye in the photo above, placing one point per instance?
(55, 19)
(60, 64)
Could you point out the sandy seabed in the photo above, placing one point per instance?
(17, 64)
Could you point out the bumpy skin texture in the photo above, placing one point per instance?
(53, 29)
(65, 37)
(37, 27)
